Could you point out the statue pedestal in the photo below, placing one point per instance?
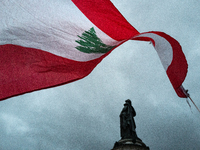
(127, 144)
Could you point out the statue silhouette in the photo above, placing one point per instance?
(127, 122)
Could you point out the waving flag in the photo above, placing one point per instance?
(46, 43)
(171, 56)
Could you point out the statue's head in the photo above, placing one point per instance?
(128, 102)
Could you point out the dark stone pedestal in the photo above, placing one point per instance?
(127, 144)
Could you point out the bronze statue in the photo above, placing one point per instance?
(129, 138)
(127, 123)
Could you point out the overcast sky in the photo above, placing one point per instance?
(84, 115)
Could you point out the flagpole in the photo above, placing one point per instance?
(194, 103)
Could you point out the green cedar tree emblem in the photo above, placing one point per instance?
(90, 43)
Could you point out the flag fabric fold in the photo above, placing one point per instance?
(58, 42)
(171, 56)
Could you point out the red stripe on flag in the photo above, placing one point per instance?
(106, 17)
(177, 70)
(25, 70)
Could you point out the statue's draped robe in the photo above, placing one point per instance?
(127, 123)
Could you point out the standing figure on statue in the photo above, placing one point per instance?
(127, 123)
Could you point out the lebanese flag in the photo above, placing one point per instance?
(46, 43)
